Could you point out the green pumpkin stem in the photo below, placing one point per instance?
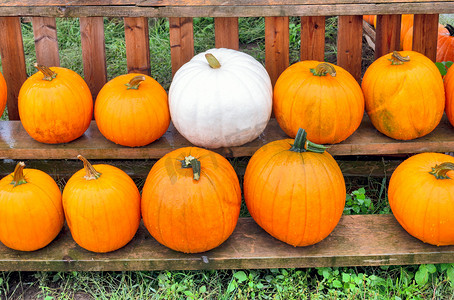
(397, 59)
(212, 61)
(18, 176)
(301, 144)
(47, 72)
(440, 171)
(134, 83)
(90, 172)
(450, 29)
(322, 69)
(194, 163)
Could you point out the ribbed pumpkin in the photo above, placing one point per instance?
(191, 200)
(132, 110)
(55, 105)
(449, 93)
(320, 97)
(421, 196)
(3, 93)
(404, 95)
(294, 190)
(102, 207)
(31, 213)
(369, 19)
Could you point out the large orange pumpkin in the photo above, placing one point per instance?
(102, 207)
(31, 213)
(320, 97)
(294, 190)
(3, 94)
(55, 105)
(421, 196)
(404, 95)
(449, 90)
(132, 110)
(191, 200)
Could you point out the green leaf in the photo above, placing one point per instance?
(441, 68)
(232, 286)
(450, 273)
(203, 289)
(422, 275)
(345, 277)
(337, 284)
(431, 268)
(240, 275)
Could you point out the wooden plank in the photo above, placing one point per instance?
(317, 9)
(312, 38)
(66, 3)
(93, 53)
(387, 34)
(46, 43)
(137, 45)
(425, 35)
(349, 44)
(181, 41)
(226, 33)
(15, 143)
(13, 61)
(362, 240)
(276, 46)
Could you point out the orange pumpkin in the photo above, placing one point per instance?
(449, 90)
(369, 19)
(102, 207)
(191, 200)
(294, 190)
(421, 196)
(132, 110)
(3, 94)
(55, 105)
(404, 95)
(321, 97)
(32, 212)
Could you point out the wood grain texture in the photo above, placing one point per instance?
(13, 61)
(15, 143)
(93, 53)
(258, 2)
(362, 240)
(276, 46)
(312, 38)
(226, 33)
(46, 43)
(137, 45)
(387, 38)
(425, 35)
(349, 44)
(181, 41)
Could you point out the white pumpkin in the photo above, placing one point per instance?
(221, 107)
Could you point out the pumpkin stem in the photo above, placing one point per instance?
(397, 59)
(301, 144)
(90, 172)
(441, 171)
(48, 73)
(322, 69)
(135, 82)
(450, 29)
(212, 61)
(18, 176)
(192, 162)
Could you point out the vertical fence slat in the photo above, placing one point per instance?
(276, 46)
(425, 35)
(46, 43)
(349, 44)
(226, 33)
(313, 38)
(137, 45)
(13, 61)
(93, 53)
(181, 41)
(387, 38)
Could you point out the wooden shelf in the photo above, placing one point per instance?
(362, 240)
(15, 143)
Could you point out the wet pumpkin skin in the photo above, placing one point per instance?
(404, 100)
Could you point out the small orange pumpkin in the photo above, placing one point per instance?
(32, 212)
(55, 105)
(102, 207)
(404, 95)
(295, 190)
(421, 196)
(321, 97)
(132, 110)
(449, 90)
(191, 200)
(3, 94)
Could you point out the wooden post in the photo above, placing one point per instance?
(349, 44)
(313, 38)
(276, 46)
(181, 41)
(226, 33)
(387, 37)
(46, 43)
(137, 45)
(425, 35)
